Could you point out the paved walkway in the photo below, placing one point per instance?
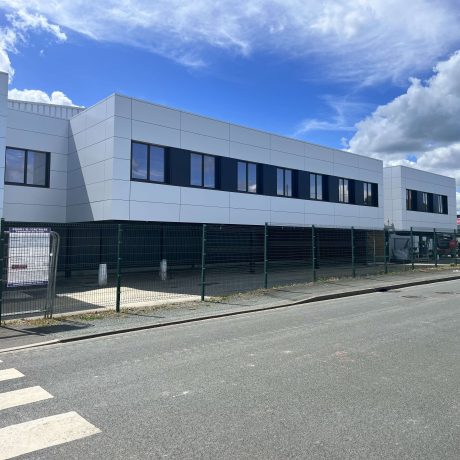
(24, 333)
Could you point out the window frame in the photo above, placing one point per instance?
(342, 194)
(26, 157)
(136, 179)
(368, 197)
(246, 180)
(315, 176)
(284, 171)
(203, 155)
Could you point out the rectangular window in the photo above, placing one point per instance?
(424, 202)
(283, 182)
(410, 200)
(316, 187)
(368, 194)
(147, 162)
(247, 177)
(438, 204)
(27, 167)
(344, 196)
(202, 170)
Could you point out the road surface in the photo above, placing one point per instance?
(373, 376)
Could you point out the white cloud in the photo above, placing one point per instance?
(359, 40)
(36, 95)
(20, 23)
(421, 127)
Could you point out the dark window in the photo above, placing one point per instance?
(283, 182)
(368, 200)
(438, 204)
(316, 186)
(26, 167)
(424, 202)
(247, 177)
(202, 170)
(344, 196)
(147, 162)
(410, 200)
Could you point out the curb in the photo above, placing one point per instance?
(318, 298)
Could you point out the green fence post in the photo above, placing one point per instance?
(266, 256)
(412, 248)
(313, 252)
(456, 247)
(353, 267)
(119, 245)
(2, 255)
(203, 262)
(435, 248)
(385, 250)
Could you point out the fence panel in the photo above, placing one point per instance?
(289, 255)
(83, 249)
(160, 263)
(234, 259)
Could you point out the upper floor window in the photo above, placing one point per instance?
(283, 182)
(316, 186)
(424, 202)
(344, 195)
(247, 177)
(368, 200)
(439, 204)
(202, 170)
(27, 167)
(410, 200)
(147, 162)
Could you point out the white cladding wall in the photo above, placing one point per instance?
(398, 179)
(27, 130)
(146, 122)
(3, 112)
(93, 167)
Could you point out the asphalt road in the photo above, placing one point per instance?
(375, 376)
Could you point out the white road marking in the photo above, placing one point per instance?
(27, 437)
(22, 396)
(7, 374)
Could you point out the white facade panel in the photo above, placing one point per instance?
(3, 128)
(155, 193)
(155, 115)
(205, 126)
(204, 144)
(249, 152)
(155, 134)
(249, 137)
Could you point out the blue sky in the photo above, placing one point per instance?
(342, 73)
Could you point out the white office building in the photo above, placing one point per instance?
(419, 199)
(125, 159)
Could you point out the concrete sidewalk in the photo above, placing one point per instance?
(38, 332)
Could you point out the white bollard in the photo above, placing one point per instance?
(102, 276)
(163, 269)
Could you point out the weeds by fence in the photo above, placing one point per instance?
(116, 265)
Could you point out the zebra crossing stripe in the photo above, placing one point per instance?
(28, 437)
(22, 396)
(7, 374)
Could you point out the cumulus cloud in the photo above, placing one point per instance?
(358, 40)
(421, 127)
(15, 34)
(20, 23)
(36, 95)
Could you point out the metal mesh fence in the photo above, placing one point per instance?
(60, 268)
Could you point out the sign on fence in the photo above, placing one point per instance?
(28, 257)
